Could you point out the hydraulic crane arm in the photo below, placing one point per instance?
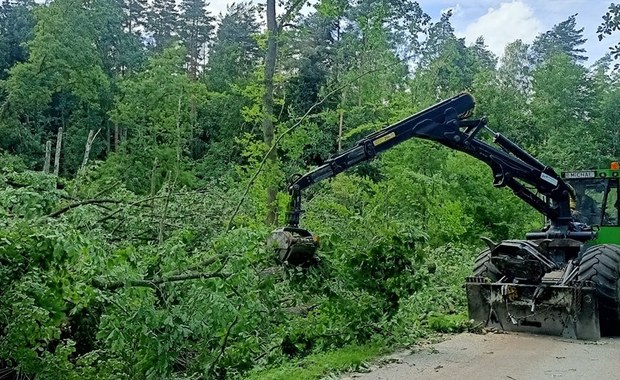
(448, 124)
(383, 140)
(367, 148)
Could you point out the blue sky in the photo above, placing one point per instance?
(503, 21)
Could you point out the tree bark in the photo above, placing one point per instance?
(48, 156)
(154, 177)
(115, 137)
(57, 155)
(61, 211)
(268, 129)
(108, 139)
(89, 143)
(152, 283)
(340, 130)
(193, 60)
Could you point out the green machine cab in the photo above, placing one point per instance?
(599, 188)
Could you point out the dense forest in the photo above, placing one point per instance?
(145, 150)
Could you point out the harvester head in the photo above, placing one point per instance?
(294, 246)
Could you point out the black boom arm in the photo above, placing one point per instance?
(448, 124)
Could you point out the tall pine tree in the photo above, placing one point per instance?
(235, 50)
(119, 36)
(195, 29)
(16, 27)
(163, 18)
(563, 37)
(135, 15)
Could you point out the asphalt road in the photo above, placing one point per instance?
(503, 357)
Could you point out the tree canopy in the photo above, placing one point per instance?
(146, 149)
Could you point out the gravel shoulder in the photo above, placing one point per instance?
(503, 356)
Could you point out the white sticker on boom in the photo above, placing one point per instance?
(582, 174)
(549, 179)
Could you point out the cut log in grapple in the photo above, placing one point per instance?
(562, 280)
(295, 246)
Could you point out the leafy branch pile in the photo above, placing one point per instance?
(154, 286)
(143, 153)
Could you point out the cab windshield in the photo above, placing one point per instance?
(596, 201)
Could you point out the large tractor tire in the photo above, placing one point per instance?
(484, 268)
(601, 265)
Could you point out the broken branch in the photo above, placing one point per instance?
(152, 283)
(81, 203)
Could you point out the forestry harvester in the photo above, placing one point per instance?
(561, 280)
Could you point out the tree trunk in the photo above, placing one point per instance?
(268, 129)
(89, 143)
(180, 138)
(154, 179)
(193, 60)
(108, 138)
(48, 157)
(340, 130)
(115, 137)
(360, 93)
(57, 155)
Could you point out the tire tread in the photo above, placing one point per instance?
(484, 268)
(601, 265)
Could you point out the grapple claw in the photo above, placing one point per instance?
(295, 246)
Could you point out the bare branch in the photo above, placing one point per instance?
(301, 310)
(160, 235)
(152, 283)
(110, 215)
(81, 203)
(203, 264)
(290, 12)
(225, 342)
(14, 184)
(105, 190)
(289, 25)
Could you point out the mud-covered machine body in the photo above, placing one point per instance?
(561, 280)
(575, 294)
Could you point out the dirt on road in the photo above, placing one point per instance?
(503, 357)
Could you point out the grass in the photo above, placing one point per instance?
(318, 365)
(354, 357)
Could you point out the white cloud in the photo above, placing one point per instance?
(456, 10)
(217, 7)
(503, 25)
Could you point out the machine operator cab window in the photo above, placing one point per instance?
(596, 196)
